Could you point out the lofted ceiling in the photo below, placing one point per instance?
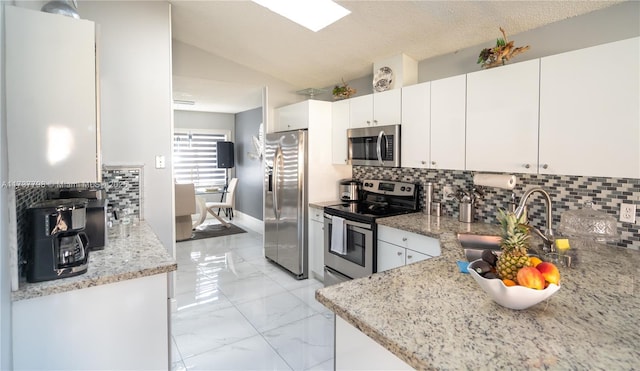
(254, 37)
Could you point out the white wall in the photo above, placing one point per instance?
(205, 120)
(5, 283)
(189, 61)
(134, 46)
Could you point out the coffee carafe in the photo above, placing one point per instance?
(57, 245)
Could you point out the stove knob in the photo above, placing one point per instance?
(408, 189)
(402, 189)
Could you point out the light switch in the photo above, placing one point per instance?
(160, 162)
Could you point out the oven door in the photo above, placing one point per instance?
(374, 146)
(358, 261)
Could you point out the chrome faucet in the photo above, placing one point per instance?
(548, 237)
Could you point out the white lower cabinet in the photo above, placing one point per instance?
(356, 351)
(397, 248)
(316, 243)
(117, 326)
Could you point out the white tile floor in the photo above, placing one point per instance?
(237, 311)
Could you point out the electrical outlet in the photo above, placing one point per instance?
(447, 193)
(628, 213)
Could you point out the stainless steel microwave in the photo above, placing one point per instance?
(374, 146)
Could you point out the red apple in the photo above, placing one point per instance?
(530, 277)
(549, 272)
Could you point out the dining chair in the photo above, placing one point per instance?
(229, 202)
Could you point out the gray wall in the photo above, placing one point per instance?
(249, 171)
(5, 281)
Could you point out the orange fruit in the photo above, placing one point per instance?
(508, 282)
(534, 260)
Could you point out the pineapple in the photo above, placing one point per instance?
(514, 244)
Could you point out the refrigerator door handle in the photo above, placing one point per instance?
(379, 147)
(276, 181)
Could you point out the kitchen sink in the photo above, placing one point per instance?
(474, 244)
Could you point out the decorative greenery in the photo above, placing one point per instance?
(501, 53)
(343, 91)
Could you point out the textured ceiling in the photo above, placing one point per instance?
(253, 36)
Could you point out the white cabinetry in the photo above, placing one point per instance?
(51, 98)
(295, 116)
(377, 109)
(590, 111)
(416, 125)
(339, 125)
(397, 248)
(118, 326)
(316, 243)
(448, 123)
(502, 118)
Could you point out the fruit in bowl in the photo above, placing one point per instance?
(515, 280)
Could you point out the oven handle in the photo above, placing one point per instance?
(364, 226)
(379, 147)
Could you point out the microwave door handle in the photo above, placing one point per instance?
(379, 147)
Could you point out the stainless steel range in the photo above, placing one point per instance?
(350, 251)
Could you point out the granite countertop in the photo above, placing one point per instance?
(434, 317)
(139, 255)
(322, 204)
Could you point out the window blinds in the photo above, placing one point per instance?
(195, 157)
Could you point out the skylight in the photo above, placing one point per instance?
(312, 14)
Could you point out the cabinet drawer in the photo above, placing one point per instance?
(419, 243)
(316, 214)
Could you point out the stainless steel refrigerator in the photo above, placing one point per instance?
(285, 200)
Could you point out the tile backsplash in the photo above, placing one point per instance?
(567, 193)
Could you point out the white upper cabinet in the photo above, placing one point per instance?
(292, 117)
(448, 123)
(590, 111)
(339, 126)
(52, 125)
(502, 118)
(415, 125)
(376, 109)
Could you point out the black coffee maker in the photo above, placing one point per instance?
(57, 244)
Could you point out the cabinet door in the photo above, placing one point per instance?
(51, 97)
(415, 125)
(502, 118)
(448, 123)
(316, 248)
(339, 126)
(414, 256)
(292, 117)
(387, 107)
(590, 111)
(389, 256)
(361, 111)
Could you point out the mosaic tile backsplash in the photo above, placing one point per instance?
(121, 184)
(567, 193)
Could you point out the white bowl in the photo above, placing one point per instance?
(513, 297)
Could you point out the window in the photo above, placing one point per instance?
(195, 157)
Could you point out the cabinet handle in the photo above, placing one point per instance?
(526, 166)
(399, 253)
(433, 162)
(545, 166)
(409, 256)
(375, 122)
(368, 122)
(404, 239)
(423, 162)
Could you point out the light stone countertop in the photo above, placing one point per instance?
(434, 317)
(322, 204)
(139, 255)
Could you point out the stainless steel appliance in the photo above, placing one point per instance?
(374, 146)
(57, 245)
(349, 190)
(285, 201)
(96, 225)
(380, 198)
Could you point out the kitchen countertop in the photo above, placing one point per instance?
(139, 255)
(434, 317)
(322, 204)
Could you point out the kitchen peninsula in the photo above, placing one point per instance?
(428, 315)
(115, 316)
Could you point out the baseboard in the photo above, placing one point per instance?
(248, 221)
